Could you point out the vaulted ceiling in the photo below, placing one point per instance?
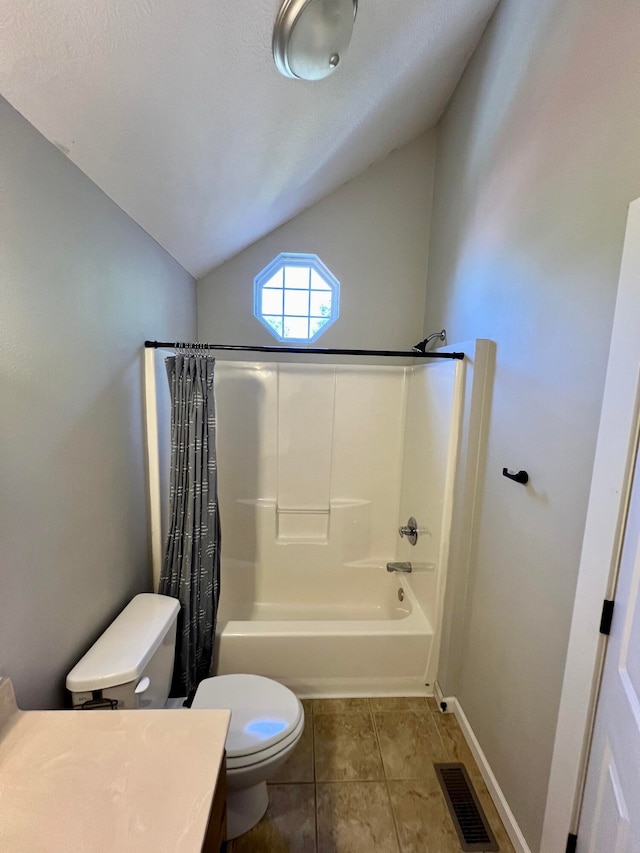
(176, 110)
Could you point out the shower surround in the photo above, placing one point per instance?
(318, 466)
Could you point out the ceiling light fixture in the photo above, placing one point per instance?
(311, 36)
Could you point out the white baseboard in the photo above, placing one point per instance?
(499, 799)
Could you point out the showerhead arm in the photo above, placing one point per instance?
(422, 346)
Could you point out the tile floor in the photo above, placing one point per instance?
(362, 781)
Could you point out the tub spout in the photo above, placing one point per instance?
(399, 567)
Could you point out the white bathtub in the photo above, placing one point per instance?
(339, 632)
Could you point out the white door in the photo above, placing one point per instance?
(610, 815)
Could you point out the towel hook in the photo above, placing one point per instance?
(516, 476)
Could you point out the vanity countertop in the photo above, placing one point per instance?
(107, 781)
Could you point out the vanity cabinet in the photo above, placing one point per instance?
(217, 828)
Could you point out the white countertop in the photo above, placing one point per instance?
(107, 781)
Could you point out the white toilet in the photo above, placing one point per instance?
(130, 666)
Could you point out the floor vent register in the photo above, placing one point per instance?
(466, 812)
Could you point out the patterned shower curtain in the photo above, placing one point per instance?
(191, 568)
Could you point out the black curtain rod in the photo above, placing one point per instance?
(304, 350)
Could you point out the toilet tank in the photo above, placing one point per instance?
(131, 664)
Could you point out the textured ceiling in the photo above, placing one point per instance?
(175, 109)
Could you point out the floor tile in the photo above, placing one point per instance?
(433, 705)
(355, 817)
(422, 818)
(455, 743)
(351, 807)
(399, 703)
(409, 743)
(299, 766)
(340, 706)
(289, 825)
(346, 748)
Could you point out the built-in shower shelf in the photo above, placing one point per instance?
(422, 567)
(282, 511)
(302, 526)
(378, 565)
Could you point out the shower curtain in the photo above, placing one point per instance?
(191, 567)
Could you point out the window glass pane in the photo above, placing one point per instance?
(315, 324)
(272, 301)
(296, 277)
(275, 280)
(296, 303)
(317, 282)
(320, 303)
(296, 297)
(275, 323)
(296, 327)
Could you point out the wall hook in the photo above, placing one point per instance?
(518, 476)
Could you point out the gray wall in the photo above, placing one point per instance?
(371, 233)
(81, 287)
(538, 158)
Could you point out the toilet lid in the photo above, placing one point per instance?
(263, 712)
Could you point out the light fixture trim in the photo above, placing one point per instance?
(328, 47)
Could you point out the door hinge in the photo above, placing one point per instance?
(607, 616)
(572, 842)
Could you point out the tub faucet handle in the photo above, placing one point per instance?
(410, 530)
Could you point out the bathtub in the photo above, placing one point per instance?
(341, 632)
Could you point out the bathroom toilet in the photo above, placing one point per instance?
(267, 720)
(130, 666)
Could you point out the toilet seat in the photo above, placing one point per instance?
(255, 759)
(265, 716)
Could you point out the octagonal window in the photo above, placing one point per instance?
(296, 298)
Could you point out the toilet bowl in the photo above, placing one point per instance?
(267, 721)
(130, 666)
